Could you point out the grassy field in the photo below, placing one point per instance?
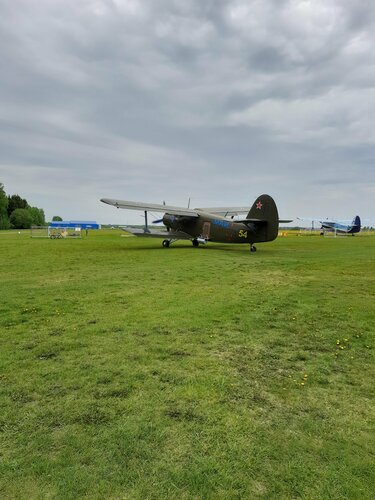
(132, 371)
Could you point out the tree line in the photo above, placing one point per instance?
(16, 213)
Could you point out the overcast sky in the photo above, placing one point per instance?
(220, 101)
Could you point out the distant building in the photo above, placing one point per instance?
(83, 224)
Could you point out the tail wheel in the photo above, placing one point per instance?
(166, 243)
(253, 248)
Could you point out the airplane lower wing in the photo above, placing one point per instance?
(150, 207)
(255, 221)
(153, 233)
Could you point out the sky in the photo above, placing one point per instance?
(166, 100)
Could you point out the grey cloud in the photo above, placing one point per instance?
(216, 100)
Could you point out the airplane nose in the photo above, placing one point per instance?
(167, 220)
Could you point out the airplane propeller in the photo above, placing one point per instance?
(157, 221)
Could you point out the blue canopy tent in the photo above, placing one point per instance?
(83, 224)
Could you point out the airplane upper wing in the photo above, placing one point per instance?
(225, 210)
(231, 211)
(152, 207)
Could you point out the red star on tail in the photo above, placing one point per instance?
(259, 205)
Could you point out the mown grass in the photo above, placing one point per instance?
(133, 371)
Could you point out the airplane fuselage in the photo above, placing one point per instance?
(340, 228)
(215, 228)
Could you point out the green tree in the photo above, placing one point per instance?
(4, 219)
(37, 215)
(56, 217)
(15, 201)
(21, 218)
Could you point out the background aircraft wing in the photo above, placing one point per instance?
(331, 221)
(316, 219)
(151, 207)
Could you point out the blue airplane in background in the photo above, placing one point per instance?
(338, 226)
(342, 226)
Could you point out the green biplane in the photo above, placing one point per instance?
(203, 225)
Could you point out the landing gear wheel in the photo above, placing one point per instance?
(195, 243)
(253, 248)
(166, 243)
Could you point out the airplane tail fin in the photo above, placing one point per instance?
(264, 209)
(356, 225)
(356, 221)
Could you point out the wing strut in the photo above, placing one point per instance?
(146, 223)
